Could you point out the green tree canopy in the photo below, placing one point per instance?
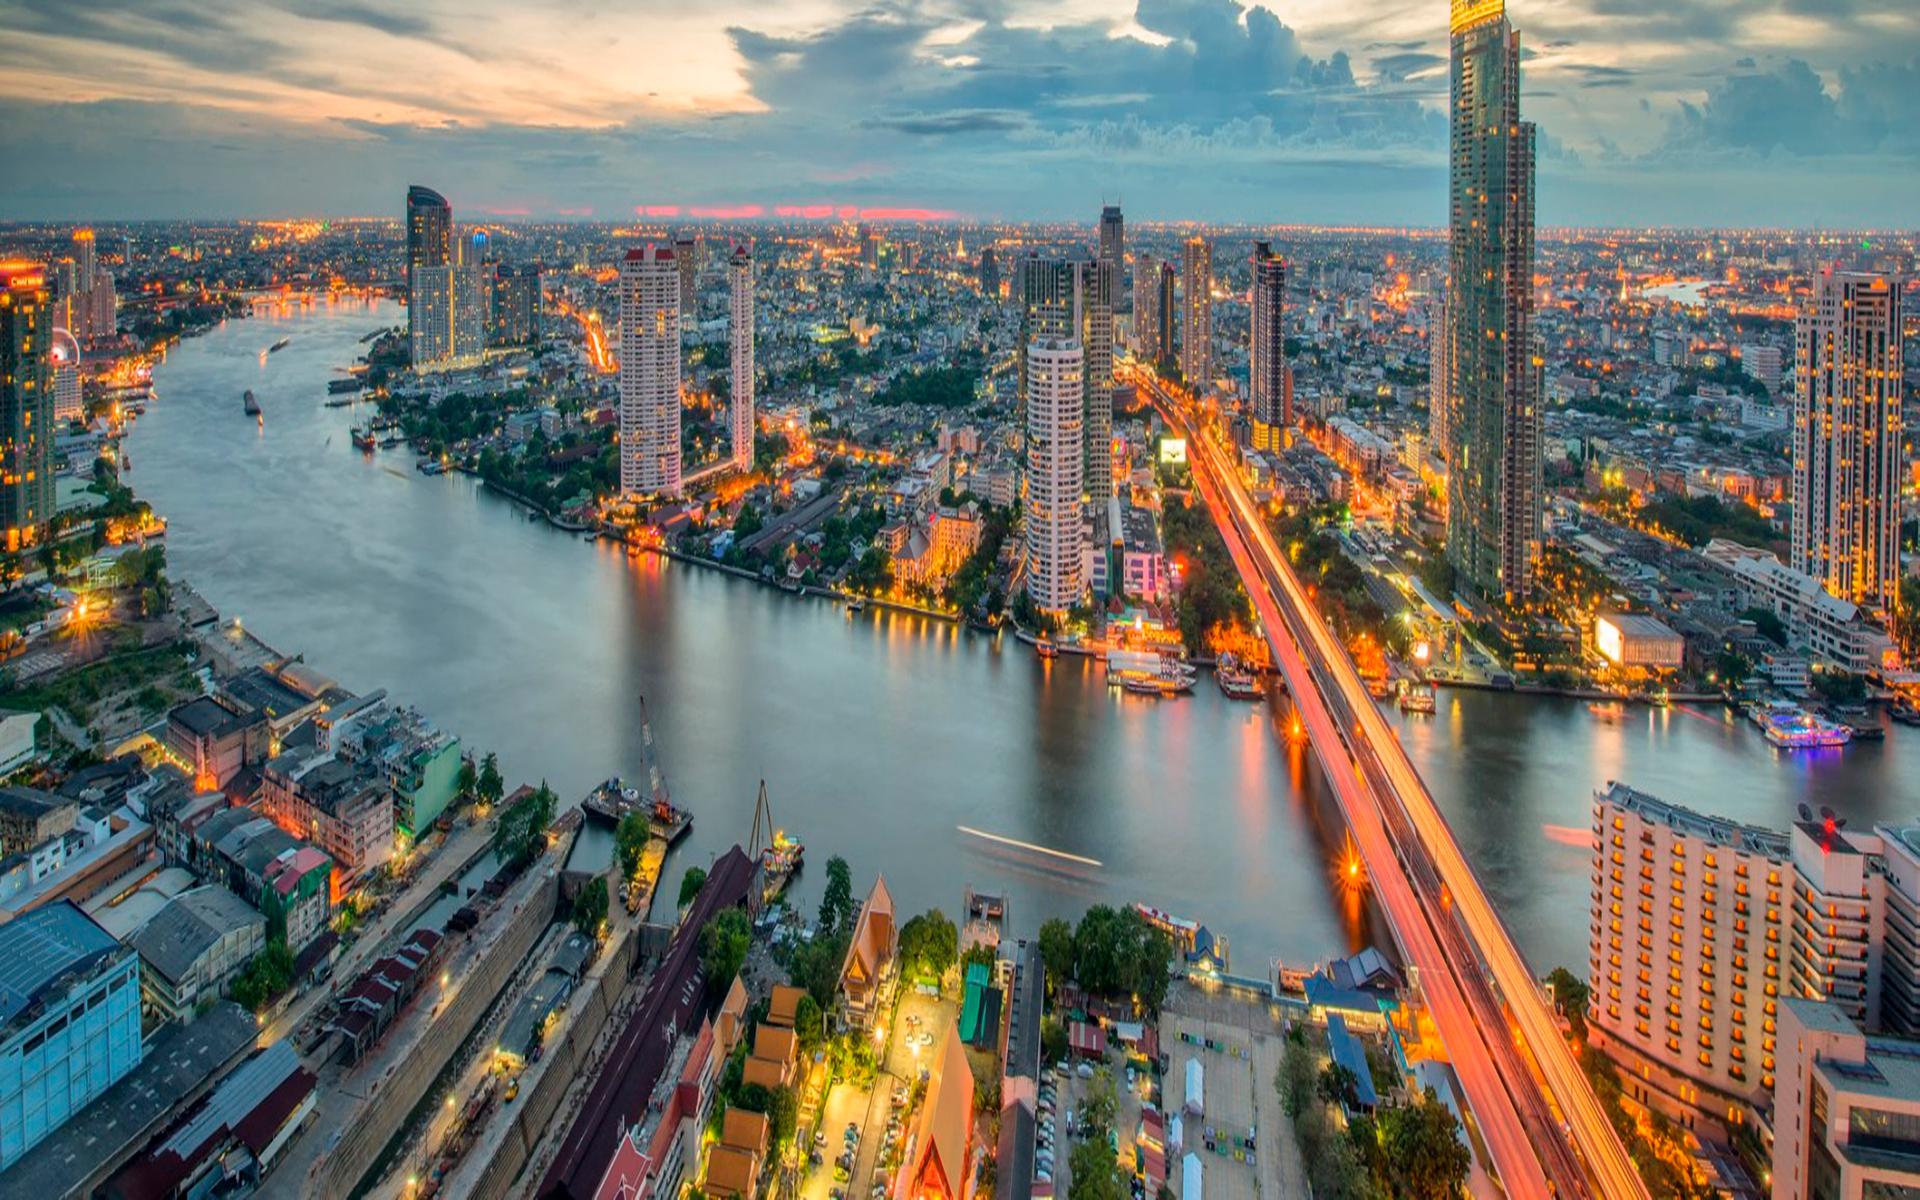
(1423, 1154)
(929, 943)
(723, 948)
(836, 905)
(691, 883)
(590, 906)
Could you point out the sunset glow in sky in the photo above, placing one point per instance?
(1654, 111)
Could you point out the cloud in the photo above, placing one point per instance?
(1786, 109)
(943, 124)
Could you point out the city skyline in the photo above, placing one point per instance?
(1216, 111)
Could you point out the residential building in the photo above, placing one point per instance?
(650, 307)
(19, 744)
(740, 335)
(471, 281)
(193, 947)
(64, 378)
(1762, 362)
(26, 407)
(1846, 1113)
(1196, 332)
(419, 762)
(686, 258)
(1848, 457)
(515, 308)
(1100, 279)
(869, 965)
(1167, 319)
(344, 810)
(1148, 317)
(1685, 955)
(989, 273)
(1494, 464)
(1439, 383)
(1833, 632)
(1054, 441)
(1269, 407)
(268, 867)
(69, 1021)
(1052, 305)
(30, 816)
(1113, 250)
(1143, 560)
(429, 276)
(215, 739)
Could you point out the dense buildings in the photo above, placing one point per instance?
(69, 1021)
(740, 336)
(1847, 1111)
(1494, 437)
(1196, 333)
(650, 307)
(1269, 395)
(26, 407)
(1055, 450)
(1848, 457)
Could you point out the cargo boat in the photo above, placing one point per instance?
(780, 858)
(614, 800)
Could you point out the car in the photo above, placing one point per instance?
(816, 1158)
(1043, 1176)
(841, 1174)
(1085, 1071)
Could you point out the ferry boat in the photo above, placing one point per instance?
(250, 404)
(1147, 685)
(1418, 699)
(1802, 730)
(1905, 713)
(341, 387)
(1236, 681)
(779, 858)
(1609, 711)
(1149, 672)
(1380, 689)
(278, 346)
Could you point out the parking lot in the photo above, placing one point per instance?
(861, 1129)
(1239, 1097)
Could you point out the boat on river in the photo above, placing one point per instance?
(1237, 682)
(278, 346)
(1418, 698)
(779, 855)
(249, 404)
(1045, 648)
(363, 439)
(1791, 727)
(614, 800)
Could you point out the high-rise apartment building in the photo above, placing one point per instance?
(869, 247)
(1196, 334)
(429, 228)
(1269, 404)
(740, 335)
(1113, 251)
(1052, 306)
(86, 263)
(1846, 1112)
(1847, 430)
(1101, 281)
(989, 274)
(63, 356)
(686, 255)
(1068, 299)
(516, 307)
(472, 294)
(103, 306)
(1439, 384)
(1163, 304)
(1762, 362)
(1494, 489)
(650, 373)
(1147, 317)
(429, 276)
(1055, 453)
(26, 407)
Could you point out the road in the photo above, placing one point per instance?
(1544, 1127)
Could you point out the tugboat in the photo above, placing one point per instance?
(779, 858)
(251, 405)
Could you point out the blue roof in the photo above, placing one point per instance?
(1349, 1053)
(40, 947)
(1324, 993)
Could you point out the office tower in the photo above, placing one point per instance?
(1686, 942)
(516, 305)
(989, 274)
(26, 407)
(687, 257)
(650, 373)
(86, 264)
(1100, 280)
(869, 248)
(1055, 450)
(1494, 472)
(1271, 410)
(740, 332)
(1113, 251)
(102, 306)
(1761, 362)
(1847, 429)
(1439, 385)
(1846, 1114)
(1146, 308)
(429, 277)
(429, 228)
(1163, 353)
(63, 355)
(1196, 336)
(472, 293)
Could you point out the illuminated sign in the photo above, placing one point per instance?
(1173, 451)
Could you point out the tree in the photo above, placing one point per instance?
(590, 906)
(490, 786)
(1095, 1171)
(521, 832)
(1098, 1107)
(928, 944)
(1338, 1085)
(873, 573)
(691, 883)
(1906, 617)
(809, 1024)
(264, 978)
(467, 782)
(815, 966)
(629, 842)
(1424, 1156)
(836, 905)
(1570, 992)
(1767, 623)
(1295, 1082)
(1056, 950)
(723, 948)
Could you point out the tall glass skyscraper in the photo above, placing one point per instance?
(26, 407)
(1196, 333)
(1494, 450)
(1270, 403)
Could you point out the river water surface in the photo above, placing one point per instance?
(882, 737)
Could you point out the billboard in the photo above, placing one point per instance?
(1173, 451)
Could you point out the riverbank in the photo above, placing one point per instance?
(802, 589)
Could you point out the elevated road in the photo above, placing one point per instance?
(1544, 1127)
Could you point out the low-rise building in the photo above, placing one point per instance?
(29, 816)
(18, 744)
(1846, 1113)
(193, 947)
(344, 809)
(215, 739)
(869, 965)
(69, 1021)
(1833, 632)
(252, 856)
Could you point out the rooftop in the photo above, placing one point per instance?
(41, 949)
(189, 926)
(1747, 839)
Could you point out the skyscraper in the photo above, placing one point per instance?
(649, 373)
(1113, 251)
(429, 277)
(516, 305)
(1439, 384)
(26, 406)
(1056, 409)
(1164, 329)
(429, 228)
(1196, 338)
(472, 294)
(1847, 430)
(869, 248)
(1051, 306)
(1071, 299)
(63, 362)
(1146, 309)
(686, 254)
(1100, 280)
(740, 333)
(989, 274)
(1269, 402)
(86, 264)
(1494, 461)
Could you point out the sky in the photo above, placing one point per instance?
(1651, 112)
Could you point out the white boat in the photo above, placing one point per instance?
(1801, 730)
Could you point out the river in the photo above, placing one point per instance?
(882, 737)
